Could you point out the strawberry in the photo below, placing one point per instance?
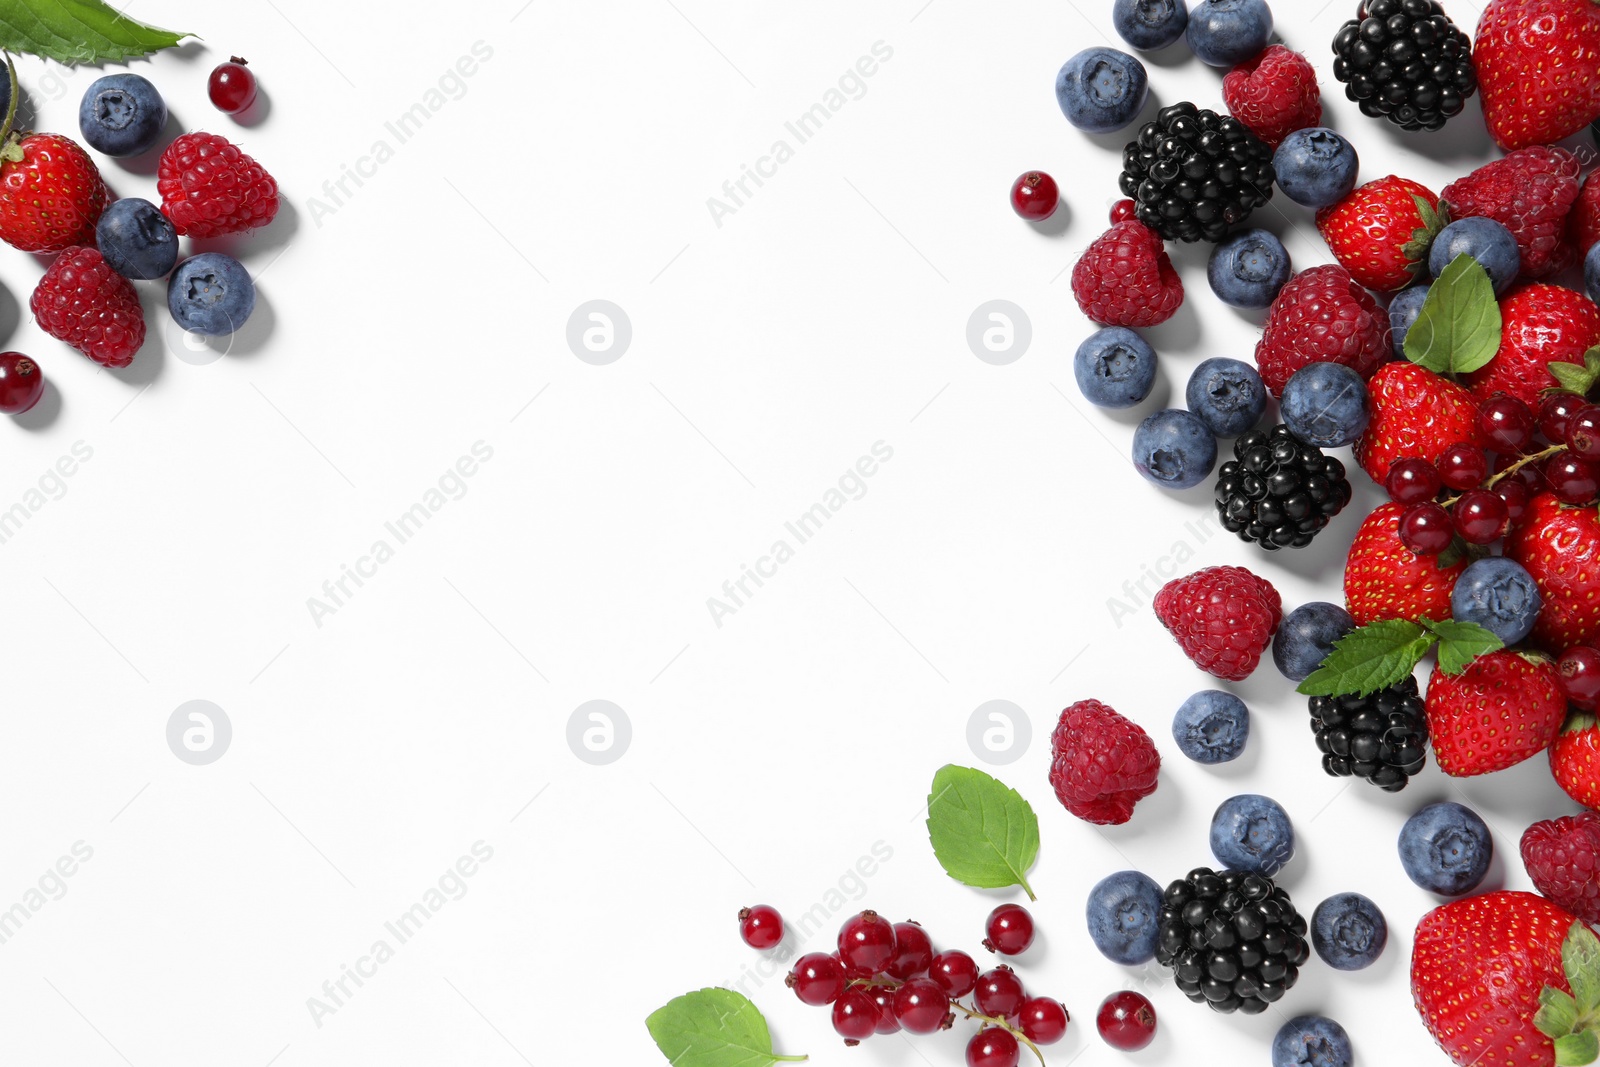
(1560, 547)
(1504, 708)
(51, 194)
(1575, 759)
(1274, 94)
(1414, 414)
(1382, 231)
(1322, 316)
(1540, 325)
(1536, 69)
(1101, 764)
(1383, 579)
(1125, 278)
(1480, 969)
(1530, 193)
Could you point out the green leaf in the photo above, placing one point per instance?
(713, 1028)
(1557, 1015)
(1370, 658)
(1580, 959)
(1433, 221)
(1575, 1050)
(1458, 329)
(1458, 551)
(1575, 379)
(77, 31)
(1461, 642)
(983, 833)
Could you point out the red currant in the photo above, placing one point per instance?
(1034, 196)
(1580, 676)
(1123, 210)
(1044, 1021)
(866, 943)
(1574, 480)
(1463, 466)
(1126, 1020)
(1514, 491)
(761, 926)
(992, 1047)
(1554, 414)
(1480, 516)
(1506, 423)
(955, 972)
(1009, 930)
(883, 999)
(232, 86)
(817, 978)
(921, 1006)
(21, 383)
(1583, 431)
(855, 1016)
(999, 992)
(913, 952)
(1412, 481)
(1426, 529)
(1528, 474)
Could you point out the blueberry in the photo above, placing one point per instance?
(211, 293)
(1306, 636)
(1312, 1041)
(1248, 269)
(1174, 449)
(1227, 32)
(1403, 312)
(1348, 931)
(1251, 832)
(1445, 848)
(1486, 241)
(1150, 24)
(1498, 594)
(1316, 167)
(1211, 727)
(1591, 273)
(136, 239)
(1227, 395)
(1325, 404)
(1101, 89)
(122, 115)
(1115, 368)
(1124, 915)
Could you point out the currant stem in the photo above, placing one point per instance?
(990, 1020)
(1532, 457)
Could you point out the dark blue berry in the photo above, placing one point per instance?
(1252, 833)
(137, 239)
(1325, 404)
(1306, 636)
(1150, 24)
(1316, 167)
(1348, 931)
(1124, 914)
(122, 115)
(1498, 594)
(1115, 368)
(1486, 241)
(1174, 449)
(1248, 269)
(1211, 727)
(211, 293)
(1102, 89)
(1224, 33)
(1446, 848)
(1591, 273)
(1312, 1041)
(1403, 312)
(1227, 395)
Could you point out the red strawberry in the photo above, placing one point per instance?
(1414, 414)
(1222, 617)
(1562, 857)
(82, 301)
(1530, 193)
(1504, 708)
(1383, 579)
(1560, 547)
(1540, 325)
(1583, 224)
(1381, 231)
(1478, 967)
(208, 187)
(1536, 69)
(51, 194)
(1274, 94)
(1575, 759)
(1322, 316)
(1126, 278)
(1101, 763)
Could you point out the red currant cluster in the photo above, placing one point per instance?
(1556, 450)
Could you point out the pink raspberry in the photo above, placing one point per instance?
(1223, 618)
(1322, 316)
(210, 188)
(1101, 763)
(1274, 94)
(1126, 279)
(1563, 859)
(1530, 193)
(82, 301)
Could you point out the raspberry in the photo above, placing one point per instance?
(1274, 94)
(50, 198)
(1222, 617)
(1563, 859)
(1101, 763)
(1530, 192)
(82, 301)
(1322, 315)
(1126, 279)
(208, 187)
(1584, 225)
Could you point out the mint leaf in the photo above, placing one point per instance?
(1557, 1014)
(77, 31)
(1458, 330)
(1574, 378)
(713, 1028)
(1461, 642)
(1369, 658)
(983, 833)
(1580, 959)
(1575, 1050)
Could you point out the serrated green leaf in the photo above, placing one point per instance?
(1574, 378)
(713, 1028)
(1370, 658)
(1458, 329)
(1575, 1050)
(1461, 642)
(78, 31)
(983, 833)
(1558, 1013)
(1580, 961)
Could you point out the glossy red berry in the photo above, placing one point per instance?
(1126, 1020)
(1514, 491)
(1412, 481)
(1583, 432)
(999, 992)
(855, 1016)
(232, 86)
(1123, 210)
(21, 383)
(913, 952)
(1426, 529)
(1480, 516)
(992, 1047)
(1580, 676)
(1009, 930)
(761, 926)
(921, 1006)
(883, 1000)
(955, 972)
(817, 978)
(1554, 414)
(1043, 1020)
(1506, 423)
(1463, 466)
(1034, 196)
(866, 943)
(1574, 480)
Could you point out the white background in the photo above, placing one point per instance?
(428, 311)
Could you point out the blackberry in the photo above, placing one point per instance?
(1404, 60)
(1193, 174)
(1382, 737)
(1233, 940)
(1279, 491)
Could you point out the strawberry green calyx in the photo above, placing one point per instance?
(1578, 721)
(1572, 1020)
(1573, 378)
(1433, 221)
